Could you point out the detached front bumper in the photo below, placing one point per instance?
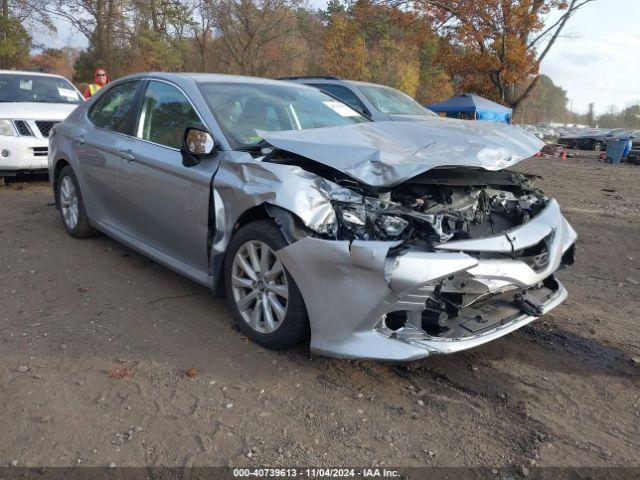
(367, 299)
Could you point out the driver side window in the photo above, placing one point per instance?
(165, 114)
(111, 111)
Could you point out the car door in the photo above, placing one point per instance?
(167, 203)
(100, 144)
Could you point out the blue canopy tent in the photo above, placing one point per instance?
(473, 107)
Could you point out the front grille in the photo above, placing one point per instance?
(23, 128)
(45, 126)
(538, 256)
(40, 151)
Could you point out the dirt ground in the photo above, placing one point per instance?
(74, 314)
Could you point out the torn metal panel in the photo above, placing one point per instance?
(518, 238)
(346, 293)
(243, 182)
(388, 153)
(349, 291)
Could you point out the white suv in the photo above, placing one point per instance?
(30, 104)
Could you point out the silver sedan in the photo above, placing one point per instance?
(385, 240)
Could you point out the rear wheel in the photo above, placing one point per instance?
(262, 295)
(71, 205)
(598, 146)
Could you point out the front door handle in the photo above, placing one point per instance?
(127, 155)
(79, 139)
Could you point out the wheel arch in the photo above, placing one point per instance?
(287, 221)
(57, 168)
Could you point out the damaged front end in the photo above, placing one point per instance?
(444, 262)
(398, 254)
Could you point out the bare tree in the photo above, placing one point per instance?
(100, 21)
(30, 13)
(248, 27)
(203, 29)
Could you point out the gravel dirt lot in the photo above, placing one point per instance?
(97, 347)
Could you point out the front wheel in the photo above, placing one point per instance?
(262, 295)
(71, 205)
(598, 146)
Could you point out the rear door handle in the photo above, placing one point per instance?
(79, 140)
(127, 155)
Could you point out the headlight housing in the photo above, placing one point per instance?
(6, 128)
(371, 218)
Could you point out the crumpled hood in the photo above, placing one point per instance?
(384, 154)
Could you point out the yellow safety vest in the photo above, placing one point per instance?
(93, 88)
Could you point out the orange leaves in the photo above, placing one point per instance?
(385, 44)
(119, 373)
(191, 373)
(344, 52)
(494, 43)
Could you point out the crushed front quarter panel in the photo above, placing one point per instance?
(349, 287)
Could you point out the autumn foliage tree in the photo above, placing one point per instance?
(430, 49)
(58, 61)
(383, 44)
(547, 101)
(498, 45)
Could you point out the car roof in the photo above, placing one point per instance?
(335, 81)
(26, 72)
(205, 78)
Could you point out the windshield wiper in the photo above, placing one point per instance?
(254, 148)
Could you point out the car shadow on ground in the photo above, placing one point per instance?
(26, 179)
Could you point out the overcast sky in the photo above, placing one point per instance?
(598, 61)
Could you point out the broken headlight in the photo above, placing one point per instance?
(354, 216)
(371, 219)
(392, 226)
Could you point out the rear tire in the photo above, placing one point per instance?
(263, 297)
(71, 205)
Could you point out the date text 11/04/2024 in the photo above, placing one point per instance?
(316, 472)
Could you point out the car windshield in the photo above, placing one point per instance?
(36, 88)
(245, 108)
(390, 100)
(624, 133)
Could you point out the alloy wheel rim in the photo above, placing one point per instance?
(259, 286)
(69, 203)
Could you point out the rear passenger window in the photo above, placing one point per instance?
(165, 115)
(112, 109)
(343, 94)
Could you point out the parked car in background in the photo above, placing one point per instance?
(532, 129)
(634, 155)
(385, 240)
(622, 134)
(546, 131)
(30, 105)
(377, 102)
(596, 139)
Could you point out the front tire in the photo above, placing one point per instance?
(71, 205)
(262, 295)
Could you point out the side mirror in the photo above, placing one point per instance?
(196, 143)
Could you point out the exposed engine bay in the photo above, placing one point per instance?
(435, 207)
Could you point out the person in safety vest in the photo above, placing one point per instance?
(100, 78)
